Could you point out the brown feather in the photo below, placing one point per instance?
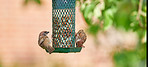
(44, 42)
(80, 38)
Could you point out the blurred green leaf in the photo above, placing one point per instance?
(83, 7)
(145, 36)
(38, 1)
(78, 0)
(93, 29)
(108, 18)
(127, 59)
(97, 12)
(0, 62)
(89, 9)
(134, 23)
(26, 2)
(122, 16)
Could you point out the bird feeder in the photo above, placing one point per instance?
(63, 26)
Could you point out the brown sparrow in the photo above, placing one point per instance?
(80, 38)
(44, 42)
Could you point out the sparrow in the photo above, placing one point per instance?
(44, 42)
(80, 38)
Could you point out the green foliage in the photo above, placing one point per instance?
(0, 63)
(133, 58)
(120, 14)
(87, 9)
(36, 1)
(93, 29)
(108, 16)
(117, 13)
(122, 57)
(128, 59)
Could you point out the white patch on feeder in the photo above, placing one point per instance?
(60, 45)
(64, 27)
(69, 21)
(64, 41)
(69, 38)
(66, 46)
(65, 1)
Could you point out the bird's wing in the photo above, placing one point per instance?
(47, 40)
(41, 40)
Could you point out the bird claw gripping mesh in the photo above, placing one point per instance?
(63, 23)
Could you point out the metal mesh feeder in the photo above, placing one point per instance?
(63, 26)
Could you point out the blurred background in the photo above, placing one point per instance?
(116, 32)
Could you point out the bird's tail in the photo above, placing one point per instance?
(50, 49)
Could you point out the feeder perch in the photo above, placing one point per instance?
(63, 26)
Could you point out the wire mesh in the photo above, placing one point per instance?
(63, 23)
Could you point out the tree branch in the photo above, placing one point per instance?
(139, 13)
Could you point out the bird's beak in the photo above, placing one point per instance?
(47, 32)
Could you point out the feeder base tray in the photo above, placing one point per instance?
(67, 50)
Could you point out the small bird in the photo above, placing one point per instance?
(80, 38)
(44, 42)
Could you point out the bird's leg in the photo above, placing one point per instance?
(83, 46)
